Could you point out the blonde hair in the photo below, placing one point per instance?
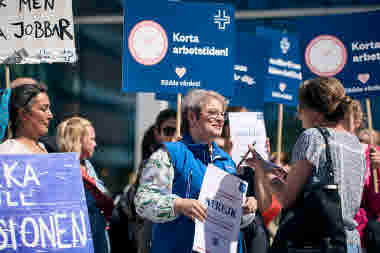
(70, 133)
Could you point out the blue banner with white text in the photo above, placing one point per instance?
(284, 67)
(170, 97)
(343, 46)
(173, 47)
(249, 71)
(43, 206)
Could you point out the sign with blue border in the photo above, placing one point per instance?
(175, 46)
(343, 46)
(284, 67)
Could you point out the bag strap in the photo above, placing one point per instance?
(330, 173)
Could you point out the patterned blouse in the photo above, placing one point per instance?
(154, 199)
(348, 161)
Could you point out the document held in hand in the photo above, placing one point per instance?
(247, 128)
(223, 194)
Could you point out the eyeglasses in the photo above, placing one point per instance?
(213, 115)
(169, 131)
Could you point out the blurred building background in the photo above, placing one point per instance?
(92, 86)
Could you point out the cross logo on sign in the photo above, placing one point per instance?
(285, 45)
(222, 21)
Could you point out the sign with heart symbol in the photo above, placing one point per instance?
(340, 39)
(363, 78)
(180, 71)
(282, 87)
(167, 55)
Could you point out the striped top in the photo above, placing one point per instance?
(348, 163)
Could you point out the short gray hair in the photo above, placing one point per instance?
(194, 100)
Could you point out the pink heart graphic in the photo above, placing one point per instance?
(282, 87)
(363, 78)
(180, 71)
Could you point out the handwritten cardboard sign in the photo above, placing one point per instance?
(43, 206)
(36, 31)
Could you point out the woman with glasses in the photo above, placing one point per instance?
(29, 118)
(172, 177)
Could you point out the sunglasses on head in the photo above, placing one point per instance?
(169, 131)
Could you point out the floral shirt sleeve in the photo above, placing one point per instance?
(154, 199)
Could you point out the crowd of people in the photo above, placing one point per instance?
(333, 161)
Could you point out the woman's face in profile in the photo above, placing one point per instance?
(88, 143)
(308, 116)
(38, 116)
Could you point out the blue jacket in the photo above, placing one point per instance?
(190, 161)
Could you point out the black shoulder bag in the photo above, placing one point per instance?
(314, 224)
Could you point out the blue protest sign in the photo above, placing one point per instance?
(43, 206)
(166, 97)
(344, 46)
(284, 67)
(173, 47)
(249, 71)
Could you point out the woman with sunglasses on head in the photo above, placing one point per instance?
(171, 178)
(165, 126)
(163, 130)
(326, 158)
(76, 134)
(29, 118)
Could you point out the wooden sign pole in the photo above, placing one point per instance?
(370, 127)
(7, 77)
(179, 101)
(279, 132)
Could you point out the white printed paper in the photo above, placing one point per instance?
(223, 194)
(247, 128)
(36, 31)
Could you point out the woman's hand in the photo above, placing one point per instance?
(255, 161)
(192, 208)
(176, 138)
(250, 205)
(374, 156)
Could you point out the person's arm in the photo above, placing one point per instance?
(288, 192)
(249, 211)
(154, 199)
(374, 155)
(306, 155)
(263, 191)
(296, 179)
